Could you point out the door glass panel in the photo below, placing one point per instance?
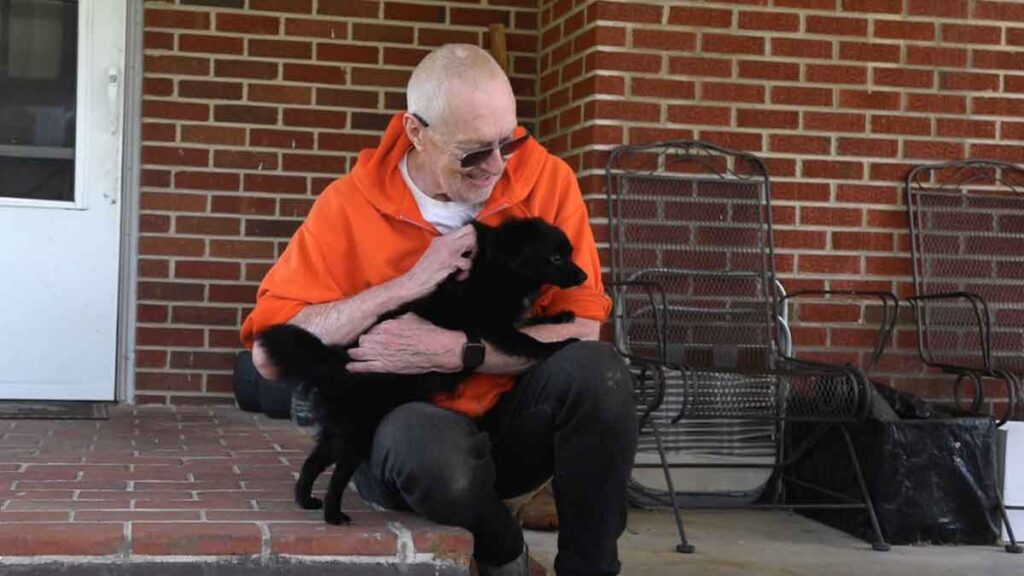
(38, 70)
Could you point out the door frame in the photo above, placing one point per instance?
(124, 89)
(127, 290)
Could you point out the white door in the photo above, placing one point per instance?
(61, 101)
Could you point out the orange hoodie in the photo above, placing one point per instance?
(366, 229)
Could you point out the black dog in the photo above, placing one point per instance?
(511, 264)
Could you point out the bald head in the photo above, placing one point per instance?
(449, 70)
(460, 101)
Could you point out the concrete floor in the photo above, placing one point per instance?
(778, 543)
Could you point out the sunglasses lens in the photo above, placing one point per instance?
(477, 157)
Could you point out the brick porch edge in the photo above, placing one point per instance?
(246, 544)
(208, 489)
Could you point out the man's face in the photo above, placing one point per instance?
(474, 119)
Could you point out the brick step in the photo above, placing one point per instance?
(376, 543)
(232, 568)
(209, 489)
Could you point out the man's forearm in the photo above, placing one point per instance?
(497, 362)
(342, 321)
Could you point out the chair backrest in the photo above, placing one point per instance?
(695, 220)
(967, 236)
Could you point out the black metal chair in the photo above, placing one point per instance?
(967, 242)
(697, 313)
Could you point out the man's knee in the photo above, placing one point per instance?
(438, 460)
(404, 428)
(596, 371)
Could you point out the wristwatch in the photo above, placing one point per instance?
(472, 353)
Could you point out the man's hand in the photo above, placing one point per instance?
(445, 255)
(261, 360)
(407, 345)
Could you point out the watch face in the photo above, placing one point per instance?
(472, 355)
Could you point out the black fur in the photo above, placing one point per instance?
(512, 262)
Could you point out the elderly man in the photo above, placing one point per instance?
(388, 233)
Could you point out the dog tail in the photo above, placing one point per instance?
(300, 356)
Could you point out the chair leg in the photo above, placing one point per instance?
(1013, 383)
(1012, 547)
(879, 544)
(684, 547)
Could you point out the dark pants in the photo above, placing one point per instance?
(571, 418)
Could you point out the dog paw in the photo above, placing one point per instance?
(336, 517)
(311, 503)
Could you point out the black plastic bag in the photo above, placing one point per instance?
(905, 404)
(930, 480)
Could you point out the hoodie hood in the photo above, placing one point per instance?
(376, 165)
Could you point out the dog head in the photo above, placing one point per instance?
(531, 251)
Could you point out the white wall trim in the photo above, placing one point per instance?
(130, 193)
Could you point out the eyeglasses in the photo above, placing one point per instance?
(477, 157)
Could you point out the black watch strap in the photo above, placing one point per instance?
(472, 352)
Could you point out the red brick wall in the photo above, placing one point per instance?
(250, 108)
(840, 97)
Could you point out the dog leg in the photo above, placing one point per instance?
(317, 461)
(344, 468)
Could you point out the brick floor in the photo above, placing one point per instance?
(157, 483)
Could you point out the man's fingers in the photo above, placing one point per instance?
(464, 238)
(359, 354)
(375, 367)
(463, 250)
(462, 267)
(374, 335)
(363, 367)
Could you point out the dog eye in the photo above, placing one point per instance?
(556, 258)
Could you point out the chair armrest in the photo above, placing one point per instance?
(890, 314)
(981, 316)
(861, 386)
(655, 293)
